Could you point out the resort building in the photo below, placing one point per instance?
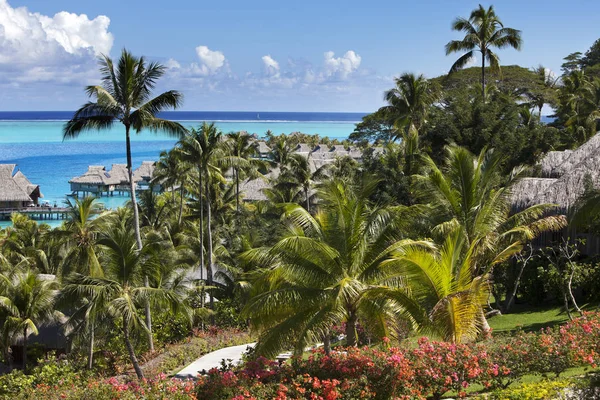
(16, 191)
(143, 176)
(563, 179)
(98, 181)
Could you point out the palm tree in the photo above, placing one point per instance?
(205, 149)
(300, 177)
(483, 31)
(125, 96)
(330, 268)
(468, 193)
(122, 293)
(172, 172)
(26, 239)
(82, 230)
(409, 102)
(443, 284)
(244, 146)
(28, 302)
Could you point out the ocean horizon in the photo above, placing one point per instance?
(33, 141)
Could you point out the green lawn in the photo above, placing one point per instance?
(528, 318)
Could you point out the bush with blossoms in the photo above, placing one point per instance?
(429, 370)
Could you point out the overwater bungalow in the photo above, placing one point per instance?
(98, 181)
(143, 176)
(16, 191)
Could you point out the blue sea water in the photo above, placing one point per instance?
(33, 141)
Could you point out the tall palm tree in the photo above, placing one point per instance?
(300, 176)
(244, 146)
(82, 230)
(28, 302)
(483, 31)
(330, 268)
(208, 152)
(409, 102)
(122, 293)
(172, 172)
(125, 95)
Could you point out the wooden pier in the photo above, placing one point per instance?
(36, 213)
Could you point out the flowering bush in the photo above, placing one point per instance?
(429, 370)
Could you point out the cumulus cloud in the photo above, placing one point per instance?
(210, 61)
(271, 66)
(341, 66)
(31, 38)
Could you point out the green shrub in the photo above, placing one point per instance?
(533, 391)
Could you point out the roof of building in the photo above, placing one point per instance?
(145, 171)
(15, 187)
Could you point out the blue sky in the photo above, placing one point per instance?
(262, 55)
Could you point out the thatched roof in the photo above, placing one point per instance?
(12, 189)
(552, 161)
(567, 189)
(119, 172)
(303, 148)
(253, 190)
(263, 147)
(26, 185)
(145, 171)
(526, 190)
(96, 175)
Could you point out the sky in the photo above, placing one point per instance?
(264, 55)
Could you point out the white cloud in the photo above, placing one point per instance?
(271, 66)
(31, 38)
(210, 60)
(343, 66)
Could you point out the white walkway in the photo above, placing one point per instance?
(213, 360)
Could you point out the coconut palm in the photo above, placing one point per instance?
(171, 172)
(244, 146)
(483, 31)
(125, 96)
(26, 239)
(300, 177)
(442, 282)
(82, 231)
(330, 268)
(205, 149)
(27, 300)
(470, 193)
(121, 293)
(409, 102)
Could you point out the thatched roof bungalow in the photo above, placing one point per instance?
(525, 191)
(16, 191)
(143, 175)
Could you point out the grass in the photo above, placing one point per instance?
(528, 318)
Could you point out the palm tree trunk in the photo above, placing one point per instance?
(136, 216)
(327, 342)
(306, 194)
(237, 190)
(9, 357)
(209, 269)
(91, 347)
(201, 228)
(180, 204)
(351, 338)
(24, 348)
(483, 75)
(148, 318)
(138, 236)
(132, 357)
